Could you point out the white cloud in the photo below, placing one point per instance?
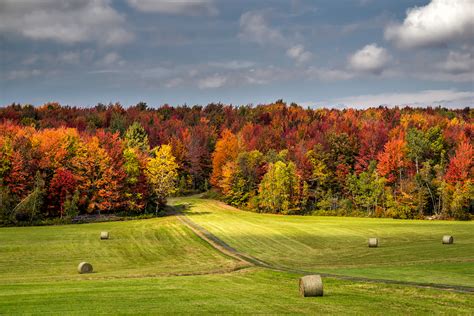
(173, 83)
(438, 23)
(211, 82)
(158, 73)
(213, 75)
(52, 60)
(180, 7)
(70, 57)
(299, 54)
(370, 59)
(365, 2)
(111, 59)
(301, 7)
(255, 28)
(448, 98)
(22, 74)
(31, 60)
(327, 74)
(265, 75)
(232, 65)
(64, 21)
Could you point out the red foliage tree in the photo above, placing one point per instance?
(62, 185)
(461, 165)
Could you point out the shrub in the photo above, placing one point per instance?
(30, 207)
(71, 205)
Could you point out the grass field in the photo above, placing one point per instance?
(161, 266)
(408, 250)
(139, 248)
(248, 291)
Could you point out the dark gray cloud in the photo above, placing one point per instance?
(64, 21)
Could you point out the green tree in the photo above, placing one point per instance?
(367, 189)
(131, 165)
(427, 151)
(241, 177)
(137, 137)
(71, 205)
(425, 146)
(136, 188)
(117, 123)
(7, 202)
(462, 200)
(342, 149)
(279, 191)
(250, 166)
(417, 146)
(321, 175)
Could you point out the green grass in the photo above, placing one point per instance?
(409, 250)
(248, 291)
(160, 266)
(135, 249)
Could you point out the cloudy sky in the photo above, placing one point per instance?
(316, 53)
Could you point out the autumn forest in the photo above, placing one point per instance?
(58, 162)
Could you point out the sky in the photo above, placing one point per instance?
(345, 53)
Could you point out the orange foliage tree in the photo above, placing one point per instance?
(227, 149)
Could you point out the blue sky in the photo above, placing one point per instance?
(351, 53)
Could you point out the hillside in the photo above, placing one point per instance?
(162, 266)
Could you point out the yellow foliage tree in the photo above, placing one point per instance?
(162, 174)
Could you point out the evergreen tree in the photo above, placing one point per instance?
(137, 137)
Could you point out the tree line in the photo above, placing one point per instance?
(60, 161)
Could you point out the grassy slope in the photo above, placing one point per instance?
(409, 250)
(135, 274)
(136, 248)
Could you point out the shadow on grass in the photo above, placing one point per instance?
(184, 208)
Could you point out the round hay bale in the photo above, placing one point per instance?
(84, 267)
(373, 242)
(448, 240)
(311, 285)
(104, 235)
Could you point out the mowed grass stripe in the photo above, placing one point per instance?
(253, 291)
(257, 227)
(136, 248)
(339, 245)
(291, 236)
